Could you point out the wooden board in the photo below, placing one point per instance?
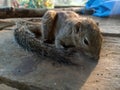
(26, 71)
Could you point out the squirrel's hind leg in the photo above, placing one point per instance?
(48, 26)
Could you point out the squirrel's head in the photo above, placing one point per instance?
(87, 37)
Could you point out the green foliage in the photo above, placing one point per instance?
(39, 3)
(36, 3)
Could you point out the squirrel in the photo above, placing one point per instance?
(68, 29)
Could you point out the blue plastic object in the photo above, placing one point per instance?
(104, 8)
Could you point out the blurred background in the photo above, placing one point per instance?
(41, 3)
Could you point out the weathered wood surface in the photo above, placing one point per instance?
(109, 26)
(26, 71)
(5, 87)
(20, 12)
(26, 13)
(6, 23)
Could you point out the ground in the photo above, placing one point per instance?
(24, 70)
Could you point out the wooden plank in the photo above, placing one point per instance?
(19, 67)
(109, 26)
(24, 70)
(10, 12)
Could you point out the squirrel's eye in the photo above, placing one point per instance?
(86, 42)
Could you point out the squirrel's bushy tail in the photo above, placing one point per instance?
(28, 41)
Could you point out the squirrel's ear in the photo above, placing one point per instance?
(77, 27)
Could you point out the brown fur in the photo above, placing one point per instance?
(66, 28)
